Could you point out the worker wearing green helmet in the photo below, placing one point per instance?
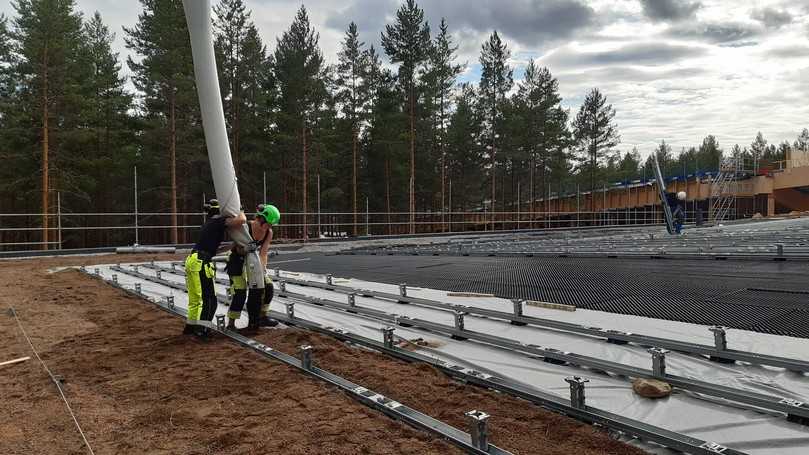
(258, 300)
(267, 216)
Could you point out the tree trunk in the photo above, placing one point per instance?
(531, 191)
(387, 190)
(443, 164)
(354, 177)
(45, 145)
(236, 134)
(305, 180)
(412, 160)
(173, 162)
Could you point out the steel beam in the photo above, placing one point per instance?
(598, 332)
(365, 396)
(795, 410)
(630, 427)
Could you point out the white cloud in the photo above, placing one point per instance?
(667, 75)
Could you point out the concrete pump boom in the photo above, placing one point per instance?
(198, 16)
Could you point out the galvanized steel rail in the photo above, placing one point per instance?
(365, 396)
(589, 414)
(598, 332)
(794, 410)
(554, 403)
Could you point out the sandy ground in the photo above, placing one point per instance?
(138, 386)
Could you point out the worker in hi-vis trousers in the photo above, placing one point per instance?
(200, 271)
(238, 289)
(258, 300)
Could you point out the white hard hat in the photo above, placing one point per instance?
(681, 195)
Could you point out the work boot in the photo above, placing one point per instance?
(231, 324)
(203, 333)
(265, 321)
(189, 329)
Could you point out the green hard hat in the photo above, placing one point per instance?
(270, 213)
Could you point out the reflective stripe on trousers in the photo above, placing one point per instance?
(200, 287)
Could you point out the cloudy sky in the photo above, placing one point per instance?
(673, 69)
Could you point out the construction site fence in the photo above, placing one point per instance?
(23, 231)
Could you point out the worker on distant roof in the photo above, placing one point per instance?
(200, 271)
(676, 202)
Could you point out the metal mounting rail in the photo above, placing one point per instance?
(363, 395)
(598, 332)
(795, 410)
(589, 414)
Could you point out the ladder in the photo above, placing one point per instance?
(723, 191)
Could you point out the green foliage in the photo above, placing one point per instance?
(286, 102)
(594, 132)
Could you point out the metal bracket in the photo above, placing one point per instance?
(478, 429)
(138, 288)
(278, 273)
(518, 308)
(713, 447)
(791, 402)
(159, 275)
(518, 312)
(352, 300)
(403, 289)
(220, 322)
(290, 309)
(97, 271)
(170, 301)
(658, 362)
(719, 337)
(306, 357)
(115, 278)
(577, 397)
(459, 322)
(136, 269)
(283, 286)
(387, 336)
(329, 279)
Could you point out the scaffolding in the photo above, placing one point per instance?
(724, 187)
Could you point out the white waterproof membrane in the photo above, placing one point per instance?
(708, 418)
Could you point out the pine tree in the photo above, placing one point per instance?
(407, 42)
(709, 155)
(107, 116)
(758, 148)
(802, 143)
(464, 155)
(354, 96)
(238, 47)
(629, 165)
(47, 35)
(544, 127)
(11, 152)
(439, 76)
(495, 82)
(385, 143)
(256, 114)
(165, 77)
(300, 75)
(594, 131)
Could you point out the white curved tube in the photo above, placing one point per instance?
(198, 16)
